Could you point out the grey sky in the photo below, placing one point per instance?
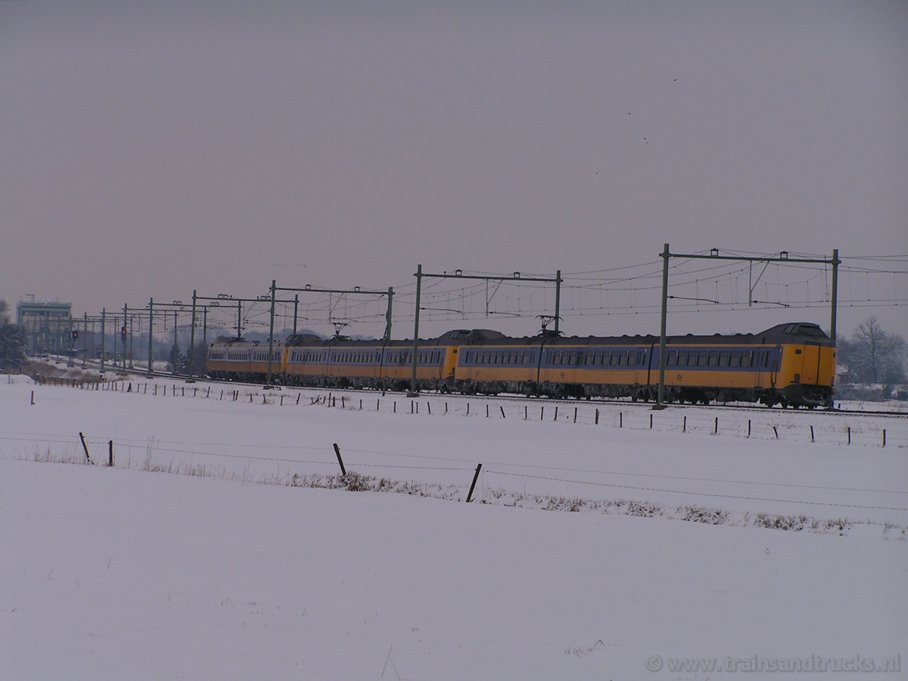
(153, 148)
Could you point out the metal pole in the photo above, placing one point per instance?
(271, 333)
(192, 337)
(835, 293)
(388, 314)
(834, 306)
(176, 353)
(239, 318)
(84, 338)
(131, 336)
(205, 327)
(557, 303)
(296, 305)
(150, 334)
(103, 322)
(413, 392)
(660, 399)
(123, 336)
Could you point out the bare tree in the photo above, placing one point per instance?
(872, 355)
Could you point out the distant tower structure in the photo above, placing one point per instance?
(48, 326)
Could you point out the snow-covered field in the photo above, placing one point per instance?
(246, 569)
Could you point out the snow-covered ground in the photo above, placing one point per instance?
(111, 574)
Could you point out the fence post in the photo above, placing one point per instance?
(429, 407)
(597, 417)
(621, 419)
(487, 410)
(849, 434)
(473, 484)
(337, 451)
(884, 437)
(811, 434)
(684, 425)
(748, 427)
(110, 456)
(556, 413)
(716, 429)
(650, 421)
(502, 410)
(776, 431)
(85, 447)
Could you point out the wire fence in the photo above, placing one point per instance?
(780, 425)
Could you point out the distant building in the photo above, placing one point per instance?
(48, 326)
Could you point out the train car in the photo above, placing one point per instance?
(557, 367)
(345, 363)
(238, 359)
(787, 364)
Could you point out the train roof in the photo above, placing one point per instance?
(242, 342)
(807, 332)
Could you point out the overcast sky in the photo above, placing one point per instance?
(151, 148)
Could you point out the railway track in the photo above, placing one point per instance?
(141, 372)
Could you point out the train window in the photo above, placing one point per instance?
(713, 358)
(734, 359)
(723, 358)
(702, 358)
(672, 359)
(746, 358)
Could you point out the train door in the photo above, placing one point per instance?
(453, 351)
(773, 363)
(810, 365)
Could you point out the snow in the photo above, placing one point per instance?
(231, 573)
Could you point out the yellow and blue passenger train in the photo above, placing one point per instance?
(789, 364)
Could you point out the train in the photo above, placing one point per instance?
(790, 364)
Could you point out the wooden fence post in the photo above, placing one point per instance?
(337, 451)
(85, 447)
(473, 484)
